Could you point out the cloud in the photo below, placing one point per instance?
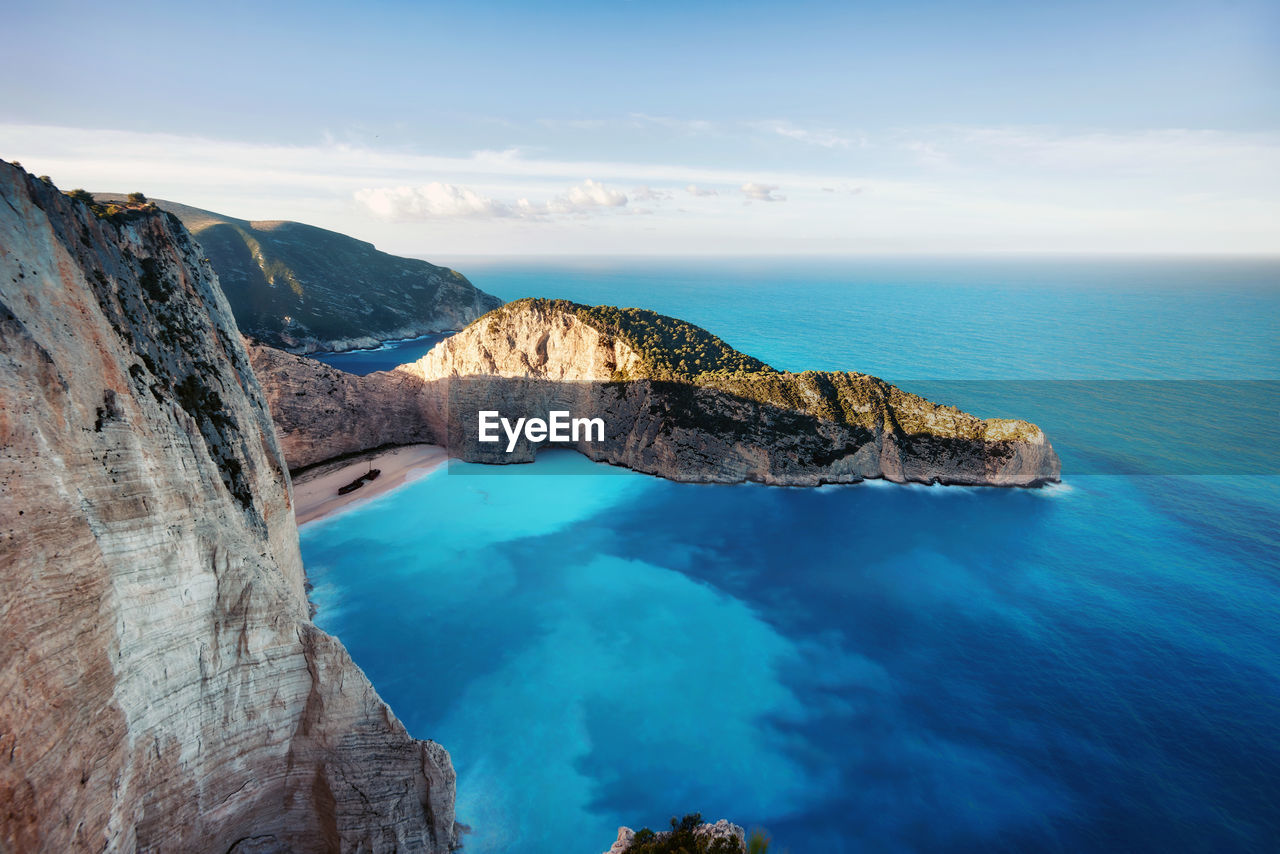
(644, 122)
(822, 138)
(450, 201)
(588, 197)
(104, 157)
(761, 192)
(432, 201)
(927, 153)
(689, 126)
(648, 194)
(1165, 152)
(1033, 188)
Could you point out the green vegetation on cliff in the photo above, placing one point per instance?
(299, 287)
(674, 351)
(126, 209)
(683, 838)
(669, 348)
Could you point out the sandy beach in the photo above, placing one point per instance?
(315, 492)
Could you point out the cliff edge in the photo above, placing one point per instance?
(304, 288)
(674, 401)
(681, 403)
(161, 684)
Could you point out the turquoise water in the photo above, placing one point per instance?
(1094, 666)
(383, 358)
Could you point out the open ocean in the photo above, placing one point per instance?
(1093, 666)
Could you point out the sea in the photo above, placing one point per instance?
(384, 357)
(1090, 666)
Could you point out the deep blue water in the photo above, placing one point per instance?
(383, 358)
(869, 668)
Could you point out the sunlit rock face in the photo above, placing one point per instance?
(675, 401)
(161, 684)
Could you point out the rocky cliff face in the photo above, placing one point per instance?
(722, 836)
(161, 685)
(675, 401)
(680, 403)
(322, 412)
(304, 288)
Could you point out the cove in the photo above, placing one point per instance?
(863, 668)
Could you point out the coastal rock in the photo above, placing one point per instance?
(620, 845)
(305, 289)
(534, 339)
(680, 403)
(161, 684)
(674, 401)
(322, 413)
(705, 835)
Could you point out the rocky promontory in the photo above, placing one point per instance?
(162, 687)
(675, 401)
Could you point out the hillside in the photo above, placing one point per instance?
(304, 288)
(674, 399)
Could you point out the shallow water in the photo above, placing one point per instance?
(1092, 666)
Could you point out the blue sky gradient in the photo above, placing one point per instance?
(1079, 127)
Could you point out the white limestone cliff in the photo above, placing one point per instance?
(161, 685)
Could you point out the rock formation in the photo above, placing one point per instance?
(676, 401)
(304, 288)
(322, 413)
(722, 835)
(161, 684)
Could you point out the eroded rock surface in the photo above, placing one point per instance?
(161, 685)
(322, 412)
(675, 401)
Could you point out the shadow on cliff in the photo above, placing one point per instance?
(675, 430)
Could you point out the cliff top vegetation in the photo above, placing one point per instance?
(673, 350)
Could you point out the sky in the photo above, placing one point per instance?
(672, 128)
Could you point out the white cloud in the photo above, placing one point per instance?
(822, 138)
(688, 126)
(761, 192)
(433, 201)
(588, 197)
(449, 201)
(649, 194)
(986, 189)
(927, 153)
(114, 158)
(1137, 152)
